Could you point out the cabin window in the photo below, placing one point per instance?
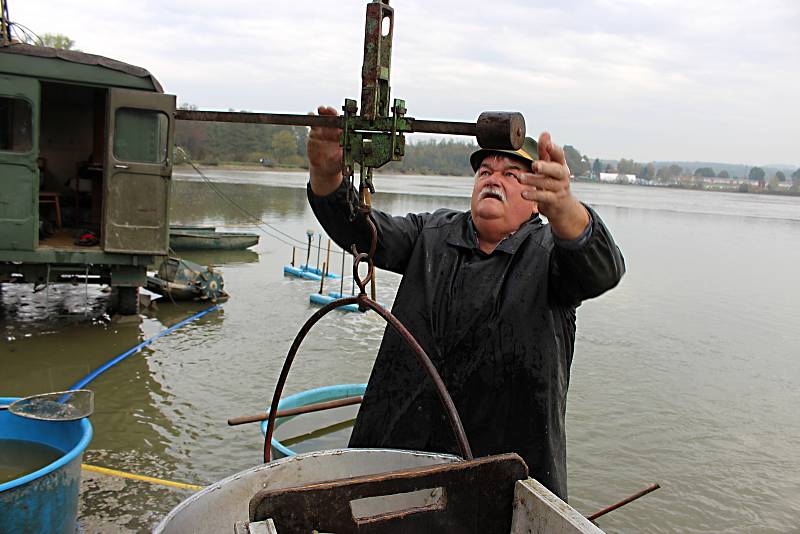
(16, 125)
(140, 135)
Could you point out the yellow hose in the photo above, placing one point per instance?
(151, 480)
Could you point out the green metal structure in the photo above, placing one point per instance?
(85, 149)
(377, 135)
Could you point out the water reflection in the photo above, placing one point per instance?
(234, 204)
(219, 258)
(682, 375)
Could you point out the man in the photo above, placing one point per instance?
(490, 294)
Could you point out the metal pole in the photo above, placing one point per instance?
(328, 254)
(341, 282)
(310, 235)
(288, 119)
(309, 408)
(623, 502)
(5, 30)
(319, 250)
(86, 292)
(293, 250)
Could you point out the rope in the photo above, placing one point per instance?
(80, 384)
(260, 223)
(257, 220)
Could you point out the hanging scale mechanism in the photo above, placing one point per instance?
(371, 140)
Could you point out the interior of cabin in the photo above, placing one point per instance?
(71, 154)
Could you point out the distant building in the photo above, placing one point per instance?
(716, 180)
(615, 178)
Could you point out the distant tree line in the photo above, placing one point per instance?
(673, 172)
(213, 143)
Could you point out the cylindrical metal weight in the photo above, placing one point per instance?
(500, 130)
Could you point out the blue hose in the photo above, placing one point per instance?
(111, 363)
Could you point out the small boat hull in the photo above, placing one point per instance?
(210, 240)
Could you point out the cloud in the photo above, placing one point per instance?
(648, 79)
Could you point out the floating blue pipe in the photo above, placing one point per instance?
(318, 272)
(111, 363)
(300, 273)
(309, 273)
(322, 300)
(304, 398)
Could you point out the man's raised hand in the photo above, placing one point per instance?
(324, 156)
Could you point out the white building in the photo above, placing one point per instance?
(616, 178)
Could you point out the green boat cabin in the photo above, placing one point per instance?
(85, 150)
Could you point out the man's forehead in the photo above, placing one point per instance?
(495, 161)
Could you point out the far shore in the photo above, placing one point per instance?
(255, 167)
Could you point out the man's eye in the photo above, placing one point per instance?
(484, 172)
(512, 175)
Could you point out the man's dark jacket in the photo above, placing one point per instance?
(499, 327)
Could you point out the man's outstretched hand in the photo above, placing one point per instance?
(548, 186)
(324, 156)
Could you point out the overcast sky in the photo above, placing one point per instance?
(712, 80)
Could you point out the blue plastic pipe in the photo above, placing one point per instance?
(304, 398)
(80, 384)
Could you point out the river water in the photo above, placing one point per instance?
(686, 374)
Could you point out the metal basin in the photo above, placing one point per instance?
(216, 508)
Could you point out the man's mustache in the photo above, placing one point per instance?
(493, 192)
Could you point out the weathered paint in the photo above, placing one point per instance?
(59, 70)
(136, 196)
(538, 511)
(19, 207)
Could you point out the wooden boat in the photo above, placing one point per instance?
(200, 238)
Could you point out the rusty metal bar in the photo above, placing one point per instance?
(376, 66)
(284, 119)
(323, 121)
(363, 301)
(623, 502)
(443, 127)
(316, 407)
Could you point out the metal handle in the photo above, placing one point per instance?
(119, 166)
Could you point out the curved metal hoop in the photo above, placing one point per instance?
(363, 301)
